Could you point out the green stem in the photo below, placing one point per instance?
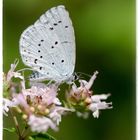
(25, 132)
(16, 124)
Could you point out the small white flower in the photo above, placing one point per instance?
(56, 117)
(41, 124)
(6, 104)
(97, 104)
(19, 99)
(57, 112)
(96, 114)
(89, 84)
(57, 101)
(98, 98)
(11, 72)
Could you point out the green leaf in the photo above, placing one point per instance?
(45, 136)
(12, 130)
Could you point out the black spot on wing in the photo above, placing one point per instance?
(62, 61)
(55, 24)
(51, 28)
(56, 42)
(35, 61)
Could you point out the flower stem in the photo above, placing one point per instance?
(16, 124)
(25, 132)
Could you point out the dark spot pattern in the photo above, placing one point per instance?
(52, 63)
(41, 56)
(52, 47)
(38, 50)
(39, 44)
(56, 42)
(62, 61)
(51, 28)
(55, 24)
(66, 26)
(40, 68)
(42, 40)
(59, 21)
(35, 61)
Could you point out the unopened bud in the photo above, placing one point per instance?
(18, 110)
(24, 116)
(32, 109)
(88, 100)
(47, 111)
(39, 107)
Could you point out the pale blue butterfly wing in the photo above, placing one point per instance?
(48, 46)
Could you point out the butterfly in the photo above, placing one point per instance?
(48, 46)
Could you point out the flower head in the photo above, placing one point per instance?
(41, 106)
(82, 99)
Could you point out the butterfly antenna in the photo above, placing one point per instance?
(25, 69)
(81, 73)
(16, 62)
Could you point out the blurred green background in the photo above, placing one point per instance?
(105, 41)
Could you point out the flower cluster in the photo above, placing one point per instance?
(82, 99)
(40, 106)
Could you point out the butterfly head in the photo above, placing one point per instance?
(74, 77)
